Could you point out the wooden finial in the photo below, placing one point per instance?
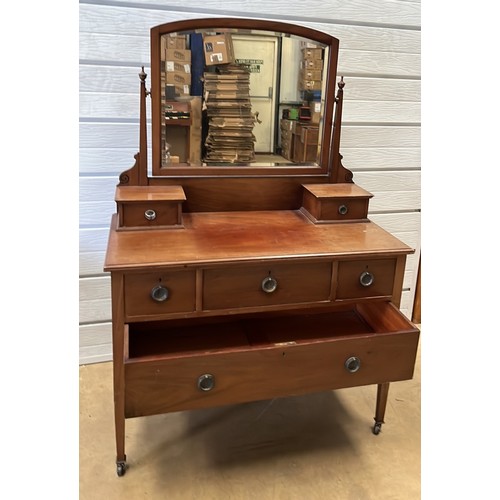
(143, 75)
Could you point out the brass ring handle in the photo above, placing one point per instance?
(150, 214)
(206, 382)
(269, 284)
(343, 209)
(366, 278)
(159, 293)
(352, 364)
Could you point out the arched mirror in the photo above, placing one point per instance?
(241, 97)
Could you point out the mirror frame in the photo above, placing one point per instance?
(326, 160)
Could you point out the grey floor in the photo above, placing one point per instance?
(318, 446)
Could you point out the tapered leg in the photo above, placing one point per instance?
(119, 397)
(382, 393)
(118, 371)
(121, 458)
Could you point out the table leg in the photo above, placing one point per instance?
(382, 393)
(119, 370)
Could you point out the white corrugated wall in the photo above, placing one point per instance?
(380, 61)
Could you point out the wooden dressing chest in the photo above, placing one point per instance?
(241, 282)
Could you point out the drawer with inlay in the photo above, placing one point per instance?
(328, 203)
(266, 285)
(150, 214)
(364, 278)
(190, 366)
(159, 293)
(142, 207)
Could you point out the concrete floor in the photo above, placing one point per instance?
(318, 446)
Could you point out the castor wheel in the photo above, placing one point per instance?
(377, 428)
(121, 468)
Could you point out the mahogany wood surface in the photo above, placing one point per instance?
(180, 286)
(383, 316)
(397, 289)
(334, 210)
(241, 287)
(246, 237)
(417, 306)
(382, 395)
(275, 360)
(242, 192)
(323, 202)
(163, 386)
(349, 286)
(119, 354)
(221, 230)
(356, 209)
(149, 193)
(133, 214)
(340, 190)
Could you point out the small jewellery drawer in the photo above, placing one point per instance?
(273, 284)
(199, 366)
(142, 207)
(365, 278)
(343, 209)
(323, 203)
(148, 214)
(159, 293)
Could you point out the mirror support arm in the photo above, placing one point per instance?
(143, 140)
(138, 174)
(341, 174)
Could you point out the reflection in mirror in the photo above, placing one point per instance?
(241, 97)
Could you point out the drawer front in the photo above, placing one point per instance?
(150, 214)
(279, 370)
(344, 209)
(159, 293)
(336, 209)
(365, 278)
(241, 287)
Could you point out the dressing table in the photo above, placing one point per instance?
(243, 280)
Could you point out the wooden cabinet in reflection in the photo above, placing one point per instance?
(181, 135)
(305, 142)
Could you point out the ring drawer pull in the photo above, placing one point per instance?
(269, 284)
(206, 382)
(343, 209)
(159, 293)
(352, 364)
(366, 278)
(150, 214)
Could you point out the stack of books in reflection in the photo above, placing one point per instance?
(230, 137)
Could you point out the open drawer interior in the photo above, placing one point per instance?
(198, 337)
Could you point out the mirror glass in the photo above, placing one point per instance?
(241, 97)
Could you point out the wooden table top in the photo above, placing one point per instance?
(214, 237)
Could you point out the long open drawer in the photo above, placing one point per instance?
(218, 363)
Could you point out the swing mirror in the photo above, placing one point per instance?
(241, 97)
